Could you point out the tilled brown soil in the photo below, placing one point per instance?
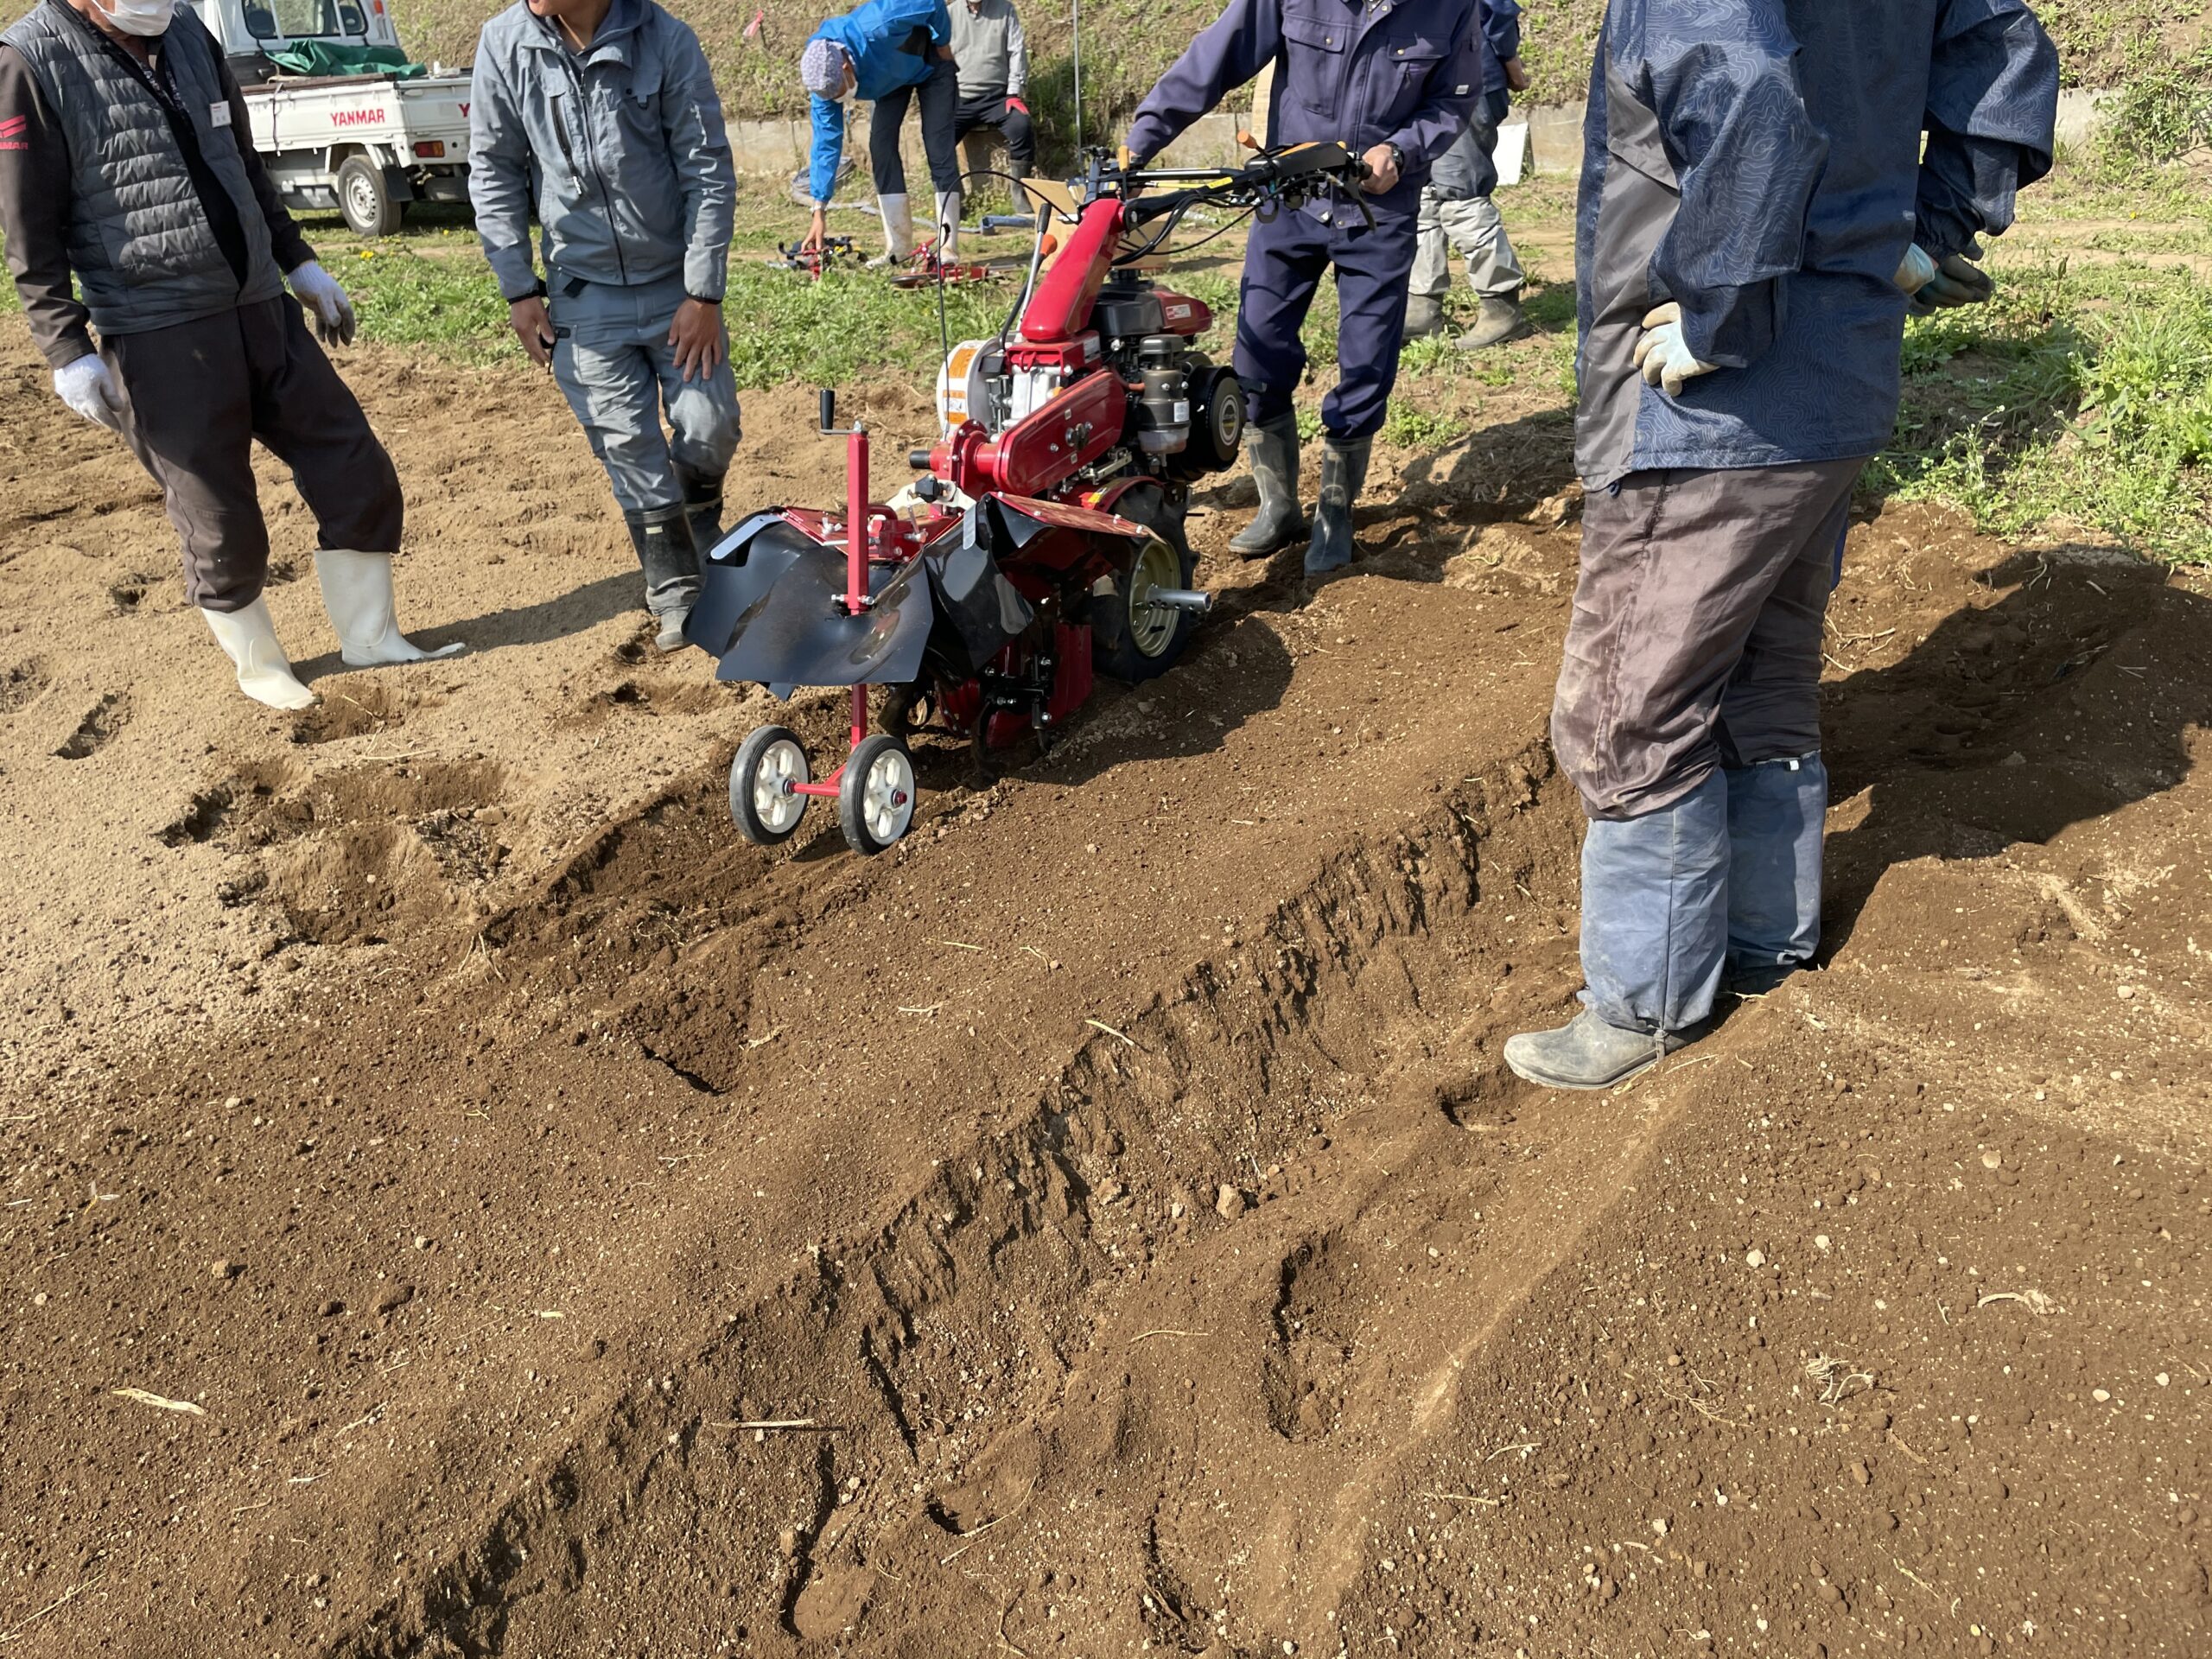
(1102, 1225)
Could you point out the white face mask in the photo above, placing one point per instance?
(144, 18)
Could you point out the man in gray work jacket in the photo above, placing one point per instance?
(125, 162)
(601, 115)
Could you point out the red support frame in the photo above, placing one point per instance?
(858, 519)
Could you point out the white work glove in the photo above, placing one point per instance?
(1663, 355)
(334, 312)
(88, 387)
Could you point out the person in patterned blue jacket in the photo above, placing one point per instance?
(1395, 81)
(1756, 211)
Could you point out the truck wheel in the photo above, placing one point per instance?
(362, 198)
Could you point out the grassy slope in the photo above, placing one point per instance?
(1128, 42)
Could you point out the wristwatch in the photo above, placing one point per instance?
(1399, 156)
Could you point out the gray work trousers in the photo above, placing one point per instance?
(197, 395)
(1457, 211)
(613, 362)
(1478, 230)
(1694, 643)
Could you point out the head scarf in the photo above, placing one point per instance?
(822, 67)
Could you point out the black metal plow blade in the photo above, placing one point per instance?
(771, 607)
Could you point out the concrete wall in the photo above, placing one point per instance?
(1555, 130)
(1555, 137)
(778, 148)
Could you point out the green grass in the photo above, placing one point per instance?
(2079, 395)
(850, 326)
(445, 301)
(2162, 111)
(1413, 426)
(437, 295)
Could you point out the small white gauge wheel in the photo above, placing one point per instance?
(764, 780)
(876, 797)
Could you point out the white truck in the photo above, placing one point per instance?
(366, 144)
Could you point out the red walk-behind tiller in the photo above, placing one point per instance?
(1045, 539)
(835, 252)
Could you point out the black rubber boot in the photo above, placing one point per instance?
(1424, 317)
(1344, 474)
(1502, 320)
(669, 559)
(702, 505)
(1271, 451)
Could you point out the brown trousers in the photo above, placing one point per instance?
(196, 397)
(1695, 641)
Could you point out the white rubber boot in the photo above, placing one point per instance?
(249, 639)
(948, 223)
(357, 592)
(898, 231)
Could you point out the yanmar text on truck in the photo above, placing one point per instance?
(340, 118)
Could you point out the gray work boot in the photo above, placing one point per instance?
(671, 562)
(1424, 317)
(1586, 1053)
(1344, 474)
(1501, 319)
(1271, 451)
(702, 505)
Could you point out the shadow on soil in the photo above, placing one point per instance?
(2016, 718)
(577, 611)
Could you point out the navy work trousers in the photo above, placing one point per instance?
(1284, 264)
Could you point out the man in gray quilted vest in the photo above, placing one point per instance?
(125, 159)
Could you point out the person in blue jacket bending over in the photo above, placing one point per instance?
(1756, 209)
(1395, 83)
(883, 52)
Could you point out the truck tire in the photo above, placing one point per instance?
(363, 198)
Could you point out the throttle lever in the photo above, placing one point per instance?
(1359, 190)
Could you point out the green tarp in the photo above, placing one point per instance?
(335, 58)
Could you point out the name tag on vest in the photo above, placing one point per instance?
(219, 112)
